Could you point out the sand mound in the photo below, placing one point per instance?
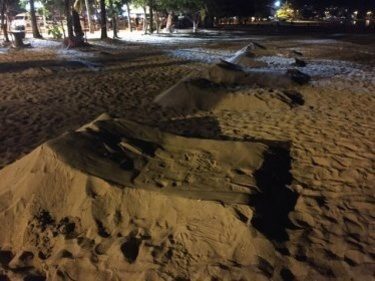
(192, 94)
(246, 57)
(249, 62)
(189, 95)
(228, 73)
(201, 94)
(211, 88)
(117, 200)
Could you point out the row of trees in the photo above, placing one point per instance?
(197, 11)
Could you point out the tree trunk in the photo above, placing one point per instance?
(103, 20)
(44, 19)
(114, 19)
(157, 22)
(151, 20)
(145, 24)
(69, 21)
(195, 27)
(34, 24)
(77, 24)
(208, 18)
(18, 39)
(129, 19)
(169, 22)
(208, 21)
(4, 25)
(195, 21)
(63, 28)
(115, 27)
(89, 18)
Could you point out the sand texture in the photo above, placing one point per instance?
(214, 164)
(119, 200)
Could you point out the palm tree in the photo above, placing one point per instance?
(34, 24)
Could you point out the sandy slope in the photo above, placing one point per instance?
(141, 221)
(327, 142)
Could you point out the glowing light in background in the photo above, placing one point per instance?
(37, 5)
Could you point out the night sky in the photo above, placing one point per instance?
(355, 4)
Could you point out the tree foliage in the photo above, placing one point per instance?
(286, 12)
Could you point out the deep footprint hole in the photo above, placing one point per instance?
(130, 249)
(5, 257)
(275, 200)
(34, 278)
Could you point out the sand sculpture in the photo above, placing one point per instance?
(211, 88)
(117, 200)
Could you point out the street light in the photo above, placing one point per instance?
(277, 4)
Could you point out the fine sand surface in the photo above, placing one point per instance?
(266, 180)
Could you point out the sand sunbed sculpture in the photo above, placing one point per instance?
(117, 199)
(208, 89)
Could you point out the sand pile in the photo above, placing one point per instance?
(246, 56)
(201, 94)
(212, 88)
(116, 200)
(229, 73)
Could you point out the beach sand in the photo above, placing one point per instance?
(311, 217)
